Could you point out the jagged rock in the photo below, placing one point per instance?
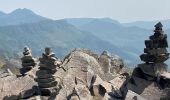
(97, 88)
(110, 64)
(119, 85)
(81, 68)
(83, 92)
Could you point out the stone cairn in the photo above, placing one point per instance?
(45, 75)
(28, 62)
(155, 54)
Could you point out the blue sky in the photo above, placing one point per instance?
(121, 10)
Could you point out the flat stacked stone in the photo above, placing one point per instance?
(28, 62)
(155, 54)
(155, 51)
(48, 66)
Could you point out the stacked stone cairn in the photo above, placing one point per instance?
(28, 62)
(45, 75)
(155, 54)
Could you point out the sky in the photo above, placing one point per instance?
(121, 10)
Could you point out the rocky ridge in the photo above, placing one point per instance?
(80, 76)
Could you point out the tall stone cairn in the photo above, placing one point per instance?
(28, 62)
(45, 74)
(155, 53)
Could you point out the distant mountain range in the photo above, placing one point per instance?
(148, 24)
(20, 16)
(23, 27)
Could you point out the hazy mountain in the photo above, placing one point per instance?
(20, 16)
(59, 35)
(23, 27)
(117, 34)
(148, 24)
(78, 22)
(130, 39)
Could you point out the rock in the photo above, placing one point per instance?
(74, 97)
(153, 69)
(147, 89)
(119, 85)
(68, 84)
(110, 64)
(13, 86)
(133, 96)
(83, 92)
(27, 94)
(79, 65)
(165, 75)
(62, 95)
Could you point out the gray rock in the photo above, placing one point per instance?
(133, 96)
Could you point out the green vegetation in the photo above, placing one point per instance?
(1, 65)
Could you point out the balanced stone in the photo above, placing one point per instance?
(45, 74)
(155, 51)
(155, 54)
(154, 58)
(28, 62)
(153, 69)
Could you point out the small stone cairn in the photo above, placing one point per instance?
(155, 54)
(28, 62)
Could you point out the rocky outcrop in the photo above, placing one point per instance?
(11, 86)
(82, 76)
